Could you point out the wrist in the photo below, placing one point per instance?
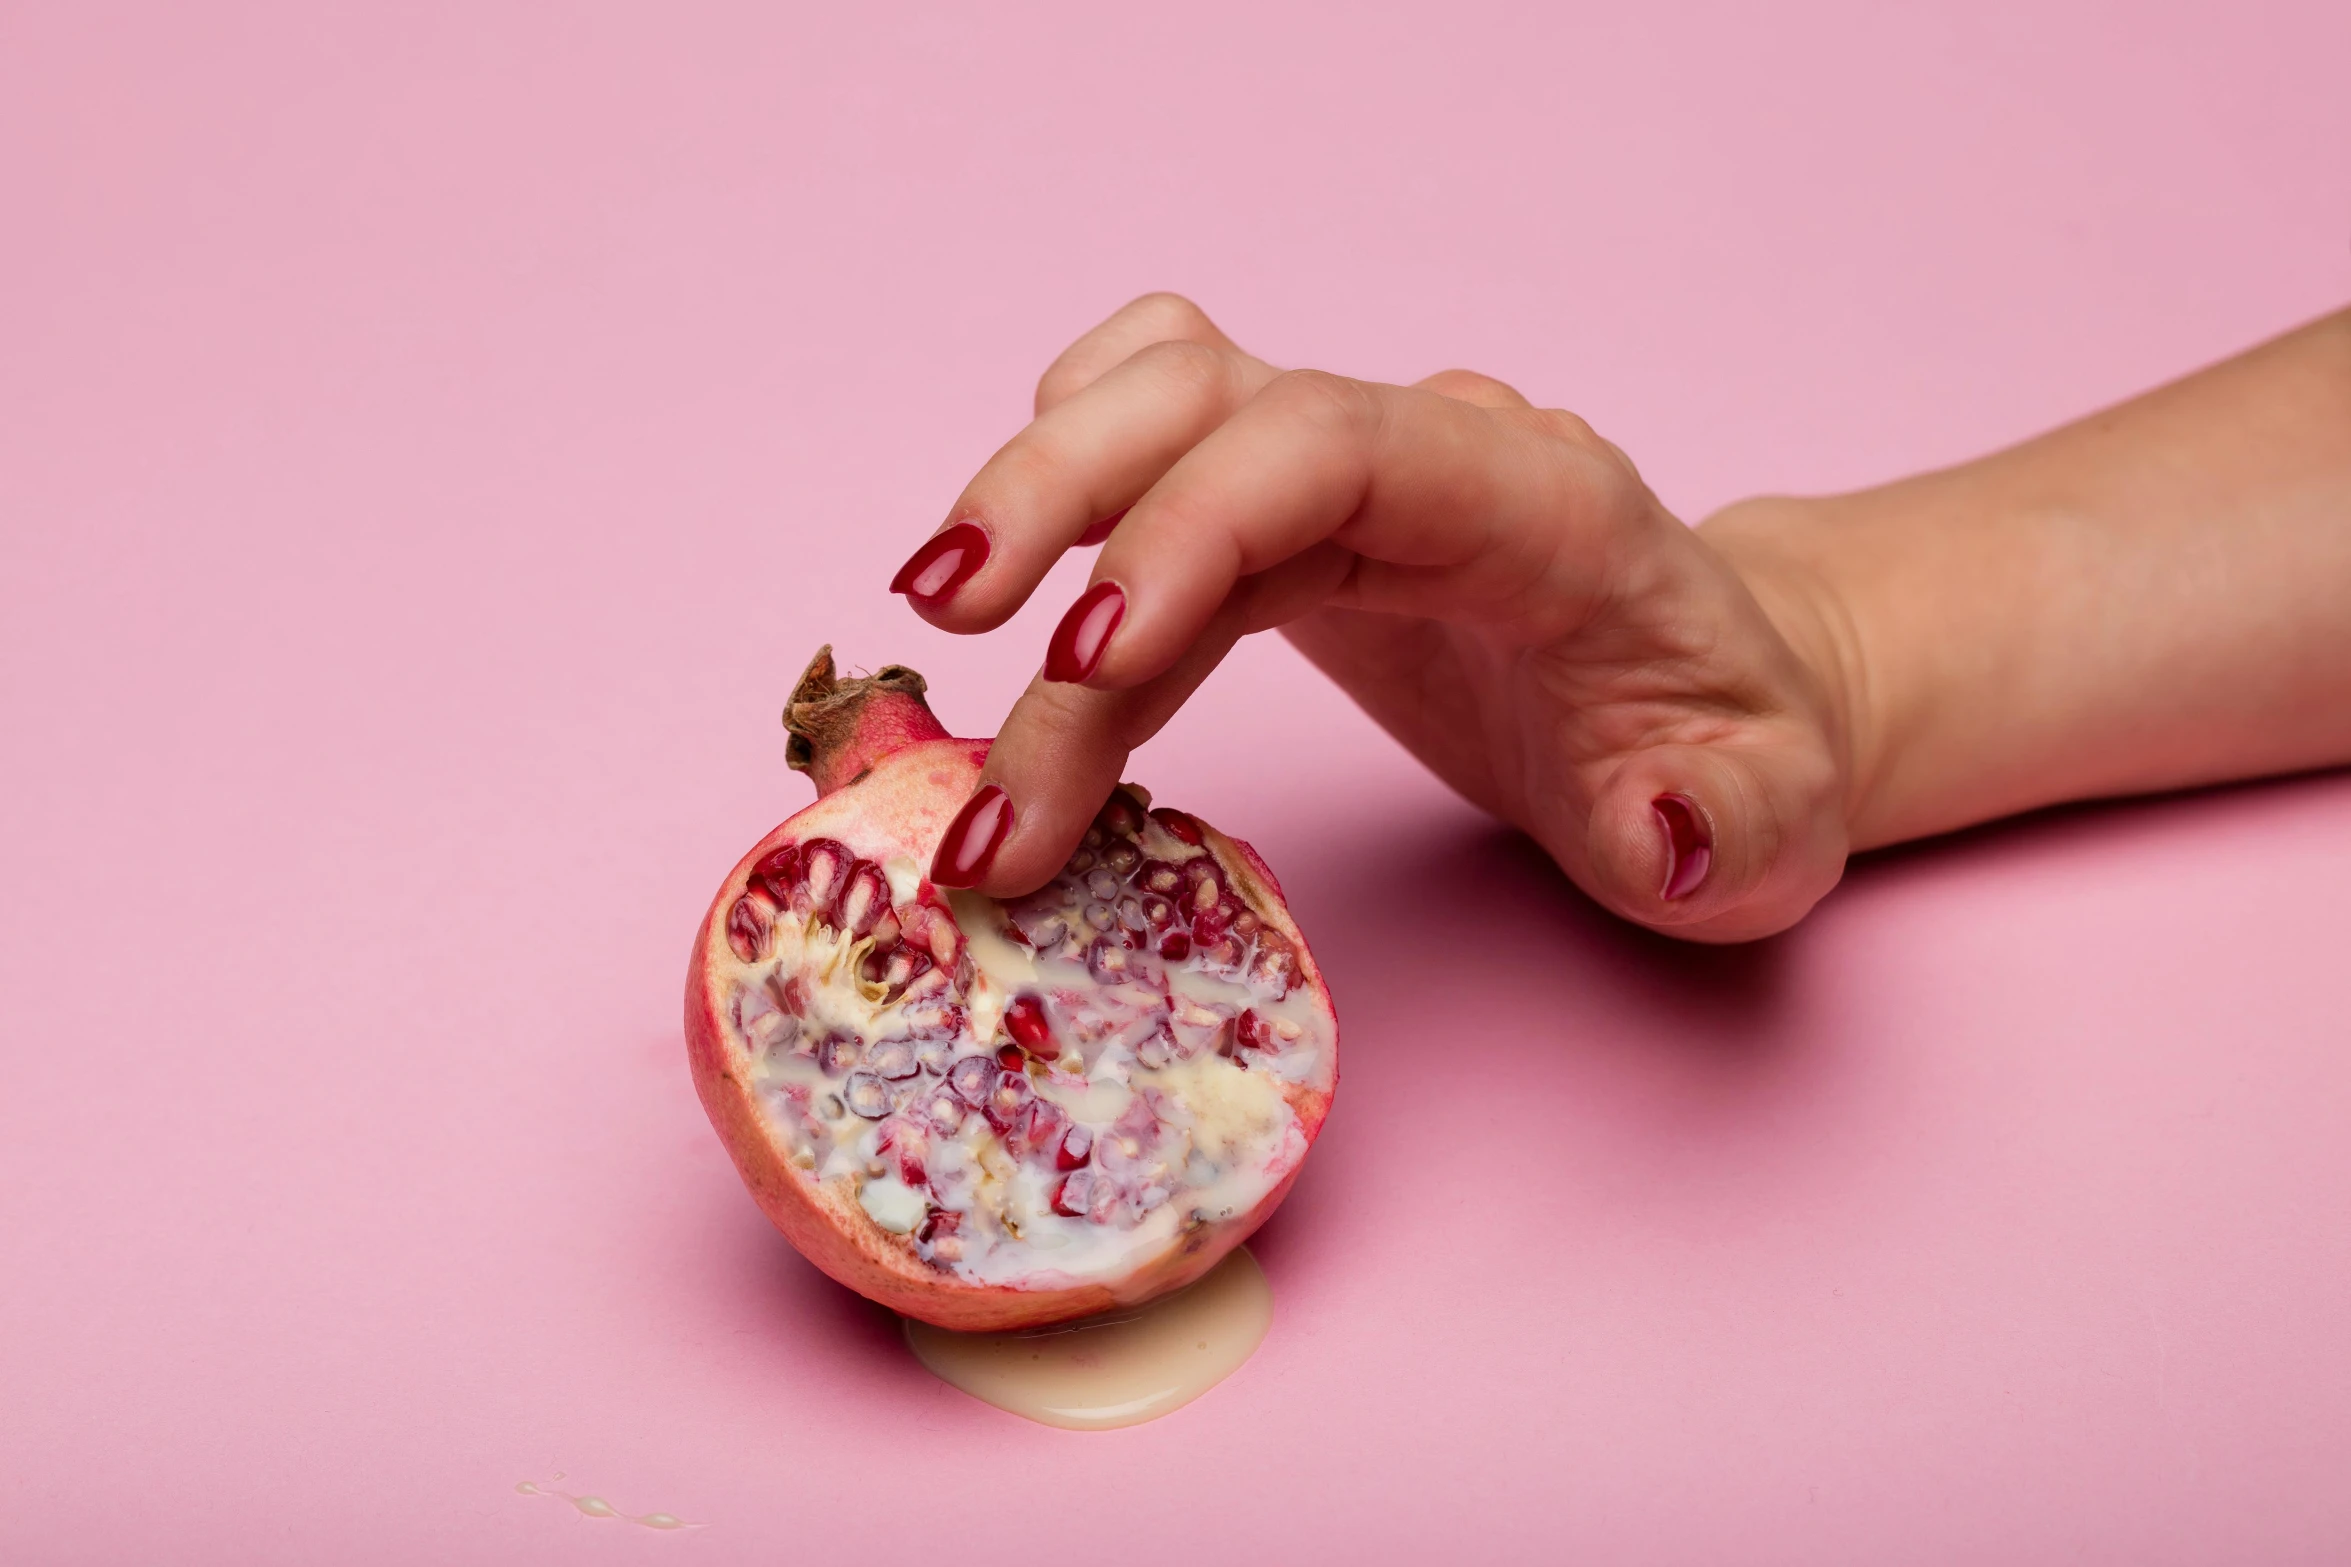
(1776, 546)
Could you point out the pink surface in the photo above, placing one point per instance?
(431, 441)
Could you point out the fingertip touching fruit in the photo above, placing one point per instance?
(999, 1114)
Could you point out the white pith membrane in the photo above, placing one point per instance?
(1034, 1094)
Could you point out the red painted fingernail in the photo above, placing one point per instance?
(1098, 531)
(1084, 632)
(1689, 847)
(972, 839)
(945, 562)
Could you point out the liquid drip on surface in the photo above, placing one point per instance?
(1119, 1369)
(598, 1507)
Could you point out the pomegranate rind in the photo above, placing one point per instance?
(917, 789)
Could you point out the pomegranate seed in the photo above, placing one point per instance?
(778, 874)
(1100, 916)
(1178, 825)
(1069, 1198)
(1156, 1051)
(1130, 912)
(1210, 924)
(1157, 912)
(1250, 1033)
(1120, 817)
(824, 866)
(865, 898)
(1010, 1058)
(946, 1116)
(747, 929)
(1160, 877)
(1221, 956)
(1093, 838)
(893, 1059)
(1203, 892)
(1025, 1021)
(1175, 946)
(791, 995)
(939, 1222)
(837, 1054)
(1246, 923)
(904, 966)
(886, 931)
(1079, 863)
(1103, 885)
(1076, 1148)
(1121, 858)
(1006, 1100)
(934, 1055)
(866, 1096)
(972, 1077)
(1043, 1130)
(1275, 964)
(945, 940)
(1108, 962)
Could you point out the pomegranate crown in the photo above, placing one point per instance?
(840, 725)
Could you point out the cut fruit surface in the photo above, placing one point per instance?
(991, 1114)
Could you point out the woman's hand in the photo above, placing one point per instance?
(1491, 581)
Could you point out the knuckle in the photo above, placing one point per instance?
(1190, 367)
(1322, 396)
(1166, 314)
(1470, 386)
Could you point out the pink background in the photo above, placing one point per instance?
(431, 439)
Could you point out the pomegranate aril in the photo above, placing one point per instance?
(1121, 858)
(934, 1056)
(1120, 816)
(972, 1077)
(1070, 1197)
(1178, 825)
(1010, 1058)
(1079, 863)
(939, 1222)
(1175, 946)
(1221, 956)
(1025, 1021)
(791, 995)
(778, 874)
(838, 1054)
(1274, 965)
(893, 1059)
(747, 929)
(1101, 916)
(945, 1115)
(1006, 1100)
(1107, 960)
(1210, 924)
(865, 899)
(1157, 912)
(1156, 1051)
(824, 869)
(903, 967)
(1102, 885)
(866, 1096)
(1246, 924)
(1130, 913)
(1041, 1131)
(1160, 877)
(1093, 839)
(1077, 1146)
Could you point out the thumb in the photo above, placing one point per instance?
(1721, 842)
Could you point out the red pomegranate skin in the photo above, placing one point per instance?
(889, 780)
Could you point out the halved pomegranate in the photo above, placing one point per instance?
(992, 1115)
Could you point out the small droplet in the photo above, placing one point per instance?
(594, 1506)
(660, 1521)
(528, 1489)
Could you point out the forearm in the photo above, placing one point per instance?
(2155, 597)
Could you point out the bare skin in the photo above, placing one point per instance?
(1699, 725)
